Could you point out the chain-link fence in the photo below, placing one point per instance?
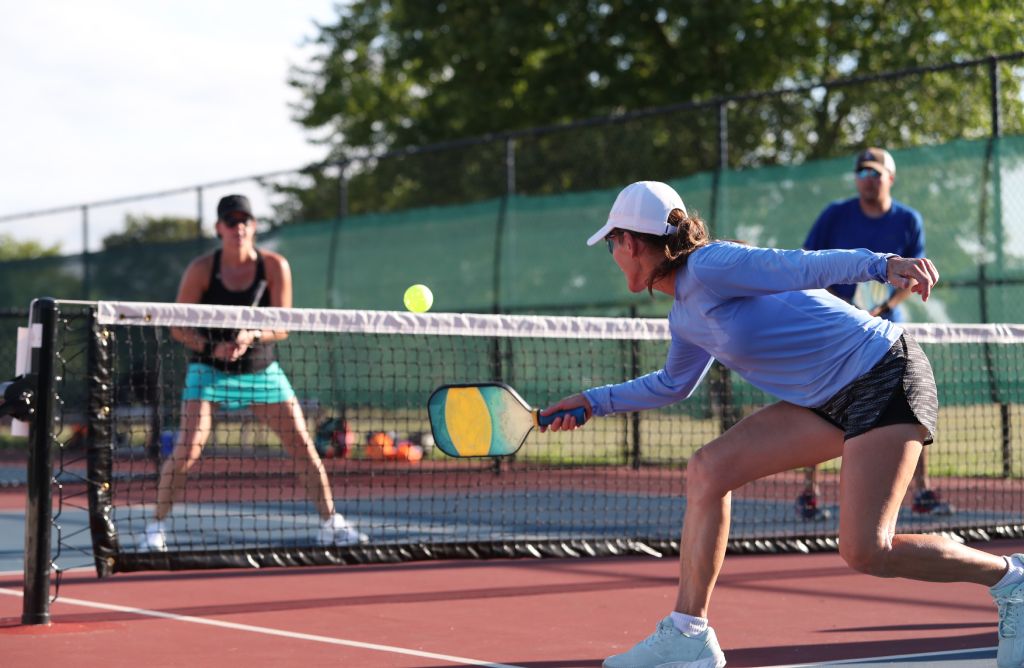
(497, 223)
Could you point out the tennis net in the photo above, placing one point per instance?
(362, 379)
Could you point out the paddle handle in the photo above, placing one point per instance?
(580, 413)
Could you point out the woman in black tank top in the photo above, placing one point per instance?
(237, 369)
(257, 357)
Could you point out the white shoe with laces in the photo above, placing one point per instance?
(154, 539)
(337, 531)
(667, 647)
(1010, 601)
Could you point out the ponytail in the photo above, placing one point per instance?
(690, 234)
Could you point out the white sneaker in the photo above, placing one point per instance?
(154, 539)
(1010, 601)
(667, 647)
(337, 531)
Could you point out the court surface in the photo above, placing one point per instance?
(769, 610)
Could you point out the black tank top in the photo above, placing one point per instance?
(257, 357)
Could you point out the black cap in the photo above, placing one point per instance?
(232, 203)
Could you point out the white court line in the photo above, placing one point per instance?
(272, 632)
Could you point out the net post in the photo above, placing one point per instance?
(38, 507)
(100, 445)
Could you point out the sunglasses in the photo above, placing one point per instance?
(235, 222)
(868, 173)
(610, 240)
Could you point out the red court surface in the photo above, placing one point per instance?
(769, 610)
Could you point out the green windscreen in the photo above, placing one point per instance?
(528, 253)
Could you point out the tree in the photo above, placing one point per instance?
(152, 229)
(13, 249)
(399, 73)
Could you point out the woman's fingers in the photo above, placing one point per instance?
(917, 273)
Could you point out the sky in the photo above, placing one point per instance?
(112, 98)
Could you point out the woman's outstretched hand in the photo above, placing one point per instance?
(567, 422)
(917, 273)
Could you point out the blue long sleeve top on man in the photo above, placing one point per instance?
(765, 314)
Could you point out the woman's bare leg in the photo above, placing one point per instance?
(288, 422)
(196, 421)
(877, 469)
(777, 438)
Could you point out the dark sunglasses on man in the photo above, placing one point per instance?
(868, 173)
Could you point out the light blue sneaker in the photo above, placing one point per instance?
(668, 648)
(1010, 601)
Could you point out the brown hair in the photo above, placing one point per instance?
(690, 234)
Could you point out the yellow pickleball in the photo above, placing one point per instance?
(418, 298)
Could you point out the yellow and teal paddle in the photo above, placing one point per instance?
(485, 419)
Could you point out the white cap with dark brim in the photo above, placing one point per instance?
(643, 206)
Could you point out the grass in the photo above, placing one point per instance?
(969, 443)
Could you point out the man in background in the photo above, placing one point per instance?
(876, 221)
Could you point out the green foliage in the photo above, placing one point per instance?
(13, 249)
(152, 229)
(398, 73)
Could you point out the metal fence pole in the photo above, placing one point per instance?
(993, 80)
(510, 166)
(499, 232)
(720, 380)
(497, 354)
(991, 206)
(722, 150)
(86, 278)
(39, 506)
(340, 212)
(199, 212)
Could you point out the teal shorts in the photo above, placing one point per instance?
(236, 390)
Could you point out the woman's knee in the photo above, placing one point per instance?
(706, 474)
(300, 448)
(185, 454)
(868, 557)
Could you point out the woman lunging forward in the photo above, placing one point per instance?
(849, 385)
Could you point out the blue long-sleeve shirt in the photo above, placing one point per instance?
(765, 314)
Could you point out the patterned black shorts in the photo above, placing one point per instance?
(899, 389)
